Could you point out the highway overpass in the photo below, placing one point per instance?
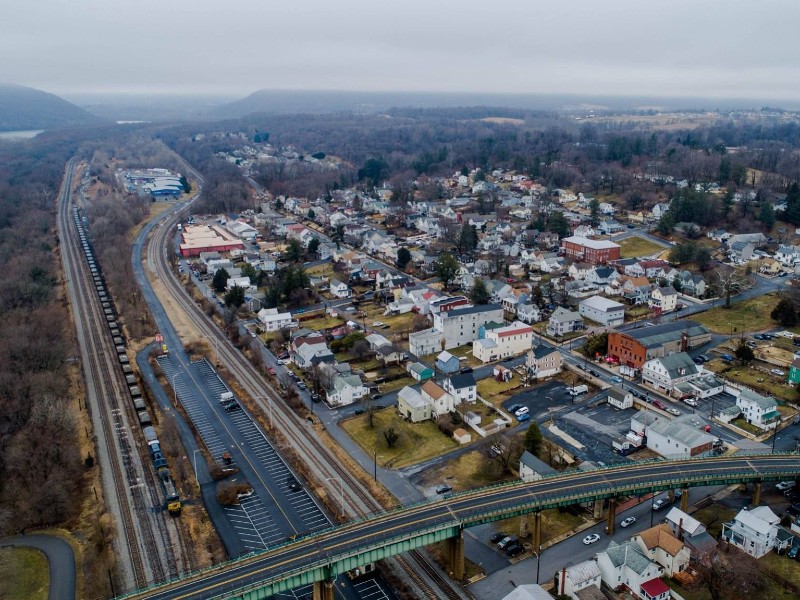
(320, 557)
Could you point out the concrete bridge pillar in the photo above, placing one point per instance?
(597, 509)
(537, 529)
(323, 590)
(671, 496)
(756, 493)
(685, 499)
(611, 516)
(454, 554)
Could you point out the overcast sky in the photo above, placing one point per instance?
(716, 48)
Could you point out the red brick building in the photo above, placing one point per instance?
(636, 346)
(594, 252)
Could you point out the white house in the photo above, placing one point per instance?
(573, 579)
(461, 325)
(532, 468)
(754, 531)
(625, 565)
(602, 310)
(564, 321)
(242, 282)
(660, 546)
(529, 313)
(425, 342)
(502, 342)
(681, 437)
(619, 399)
(272, 320)
(339, 289)
(345, 390)
(758, 410)
(440, 401)
(666, 372)
(663, 300)
(462, 387)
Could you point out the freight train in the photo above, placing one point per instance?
(172, 500)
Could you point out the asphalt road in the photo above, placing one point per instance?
(60, 562)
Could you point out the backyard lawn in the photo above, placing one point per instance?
(416, 442)
(635, 247)
(490, 388)
(763, 383)
(742, 317)
(24, 574)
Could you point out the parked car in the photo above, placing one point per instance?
(628, 522)
(793, 552)
(376, 396)
(521, 411)
(591, 539)
(497, 536)
(466, 370)
(705, 357)
(690, 401)
(280, 361)
(358, 411)
(785, 485)
(514, 550)
(443, 488)
(524, 417)
(507, 541)
(514, 408)
(674, 411)
(293, 484)
(660, 503)
(232, 406)
(616, 379)
(777, 372)
(658, 404)
(378, 324)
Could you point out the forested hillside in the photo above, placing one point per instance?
(24, 108)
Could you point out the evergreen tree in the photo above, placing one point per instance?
(785, 313)
(235, 297)
(313, 245)
(767, 215)
(220, 280)
(533, 439)
(403, 258)
(479, 294)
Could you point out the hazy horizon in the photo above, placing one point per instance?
(673, 49)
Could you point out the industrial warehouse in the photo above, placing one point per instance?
(204, 238)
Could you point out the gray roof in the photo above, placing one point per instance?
(686, 429)
(469, 310)
(563, 315)
(420, 368)
(542, 351)
(763, 402)
(628, 554)
(537, 465)
(412, 397)
(462, 380)
(679, 364)
(658, 335)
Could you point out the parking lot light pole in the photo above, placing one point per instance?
(174, 389)
(341, 492)
(194, 460)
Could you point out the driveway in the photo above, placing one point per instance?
(60, 561)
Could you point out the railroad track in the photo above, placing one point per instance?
(325, 465)
(144, 547)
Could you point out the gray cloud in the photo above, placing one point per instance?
(676, 47)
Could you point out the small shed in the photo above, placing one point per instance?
(447, 363)
(420, 371)
(501, 373)
(462, 436)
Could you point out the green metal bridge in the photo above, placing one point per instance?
(320, 557)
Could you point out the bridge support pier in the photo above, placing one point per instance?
(756, 493)
(323, 590)
(685, 499)
(611, 516)
(597, 509)
(537, 529)
(454, 554)
(671, 496)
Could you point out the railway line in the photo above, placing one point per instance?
(145, 539)
(325, 466)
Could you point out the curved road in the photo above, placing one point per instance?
(474, 508)
(60, 561)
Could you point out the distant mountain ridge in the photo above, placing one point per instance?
(23, 108)
(322, 102)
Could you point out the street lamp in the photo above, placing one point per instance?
(375, 458)
(341, 492)
(269, 405)
(194, 460)
(538, 553)
(174, 389)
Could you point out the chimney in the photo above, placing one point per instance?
(563, 580)
(684, 341)
(680, 530)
